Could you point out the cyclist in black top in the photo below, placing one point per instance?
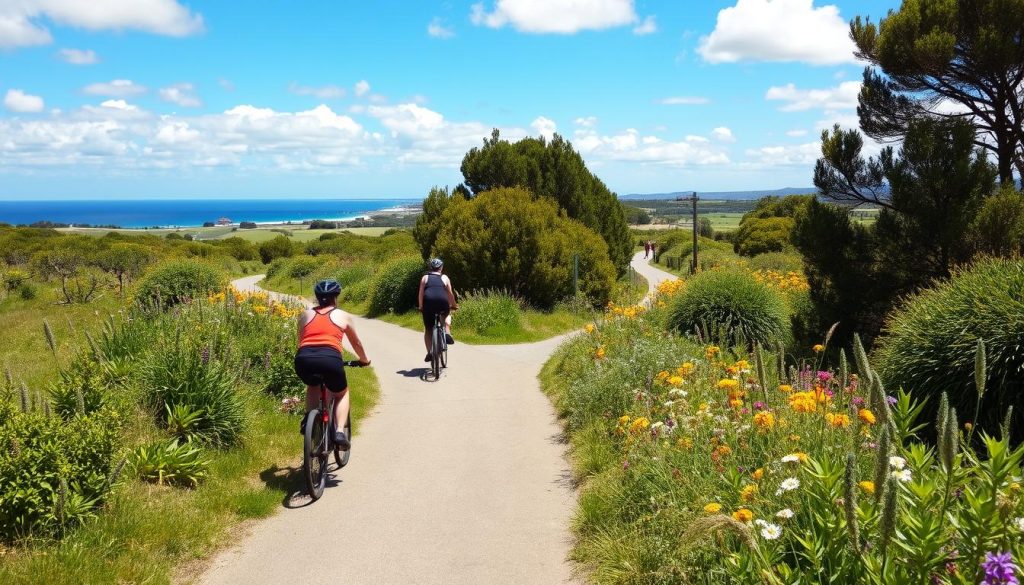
(436, 298)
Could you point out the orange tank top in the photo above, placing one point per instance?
(322, 331)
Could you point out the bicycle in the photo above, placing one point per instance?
(318, 440)
(438, 347)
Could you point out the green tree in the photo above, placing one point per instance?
(636, 215)
(767, 227)
(279, 247)
(999, 228)
(552, 169)
(507, 239)
(930, 55)
(429, 222)
(124, 261)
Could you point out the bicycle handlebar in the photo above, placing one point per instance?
(355, 364)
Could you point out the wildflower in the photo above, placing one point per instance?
(968, 426)
(640, 424)
(903, 475)
(743, 515)
(735, 402)
(758, 474)
(897, 462)
(712, 508)
(818, 348)
(764, 420)
(999, 569)
(785, 388)
(728, 384)
(771, 531)
(723, 450)
(624, 420)
(668, 404)
(685, 443)
(790, 459)
(760, 405)
(589, 328)
(867, 486)
(858, 401)
(839, 421)
(789, 484)
(803, 401)
(685, 369)
(675, 381)
(599, 354)
(866, 416)
(794, 437)
(748, 492)
(784, 514)
(711, 351)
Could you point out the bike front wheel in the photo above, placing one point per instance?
(341, 457)
(435, 353)
(314, 451)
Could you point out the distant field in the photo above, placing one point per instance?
(298, 232)
(721, 222)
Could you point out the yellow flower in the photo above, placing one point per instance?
(624, 420)
(259, 309)
(764, 420)
(794, 437)
(742, 365)
(818, 348)
(712, 508)
(748, 492)
(639, 425)
(685, 443)
(803, 401)
(735, 403)
(589, 328)
(839, 421)
(867, 486)
(728, 384)
(785, 388)
(758, 474)
(711, 351)
(743, 515)
(723, 450)
(599, 354)
(801, 456)
(685, 369)
(866, 416)
(675, 381)
(662, 375)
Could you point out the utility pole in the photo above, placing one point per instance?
(693, 262)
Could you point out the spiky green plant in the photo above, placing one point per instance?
(882, 463)
(860, 358)
(850, 501)
(51, 341)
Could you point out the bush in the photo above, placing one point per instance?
(184, 375)
(396, 286)
(353, 274)
(177, 281)
(998, 228)
(509, 240)
(488, 311)
(27, 292)
(53, 473)
(929, 342)
(302, 266)
(248, 225)
(777, 261)
(170, 462)
(761, 235)
(356, 293)
(14, 278)
(279, 247)
(730, 307)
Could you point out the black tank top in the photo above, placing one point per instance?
(435, 291)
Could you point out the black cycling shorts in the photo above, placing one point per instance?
(317, 363)
(430, 310)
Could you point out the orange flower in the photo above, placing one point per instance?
(723, 450)
(748, 492)
(743, 515)
(758, 474)
(866, 416)
(818, 348)
(785, 388)
(839, 421)
(599, 354)
(764, 420)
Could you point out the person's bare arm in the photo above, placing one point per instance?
(451, 293)
(419, 304)
(301, 321)
(357, 345)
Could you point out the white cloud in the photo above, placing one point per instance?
(21, 21)
(362, 87)
(556, 16)
(115, 88)
(630, 146)
(787, 155)
(779, 30)
(648, 26)
(684, 100)
(182, 94)
(545, 127)
(587, 122)
(78, 56)
(324, 92)
(841, 97)
(119, 105)
(22, 103)
(723, 134)
(438, 30)
(796, 133)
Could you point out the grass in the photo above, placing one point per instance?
(147, 533)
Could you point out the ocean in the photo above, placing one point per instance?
(190, 212)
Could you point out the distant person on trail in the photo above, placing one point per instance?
(321, 330)
(654, 251)
(647, 249)
(436, 298)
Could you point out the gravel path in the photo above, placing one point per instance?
(462, 481)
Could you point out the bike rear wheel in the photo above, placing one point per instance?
(314, 454)
(435, 353)
(444, 350)
(341, 457)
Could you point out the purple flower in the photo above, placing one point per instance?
(891, 400)
(824, 377)
(999, 569)
(858, 401)
(759, 405)
(625, 464)
(205, 355)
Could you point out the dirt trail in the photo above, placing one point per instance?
(460, 481)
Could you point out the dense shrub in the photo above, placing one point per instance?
(395, 286)
(730, 307)
(302, 266)
(279, 247)
(356, 293)
(178, 280)
(53, 472)
(929, 343)
(508, 239)
(777, 261)
(761, 235)
(353, 273)
(999, 227)
(489, 311)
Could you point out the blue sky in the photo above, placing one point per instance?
(159, 98)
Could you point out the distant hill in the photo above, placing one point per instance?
(727, 195)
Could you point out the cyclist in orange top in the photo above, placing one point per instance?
(321, 330)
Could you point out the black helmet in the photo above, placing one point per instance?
(436, 264)
(326, 289)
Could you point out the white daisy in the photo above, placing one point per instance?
(784, 514)
(669, 403)
(897, 462)
(790, 459)
(789, 484)
(771, 531)
(903, 475)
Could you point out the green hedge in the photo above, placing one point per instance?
(178, 280)
(395, 286)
